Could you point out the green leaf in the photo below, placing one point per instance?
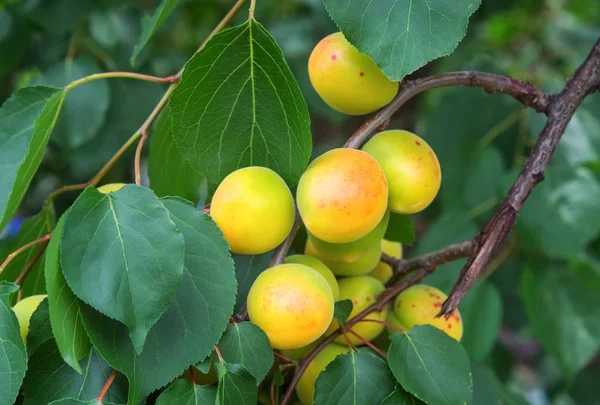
(205, 365)
(563, 313)
(39, 327)
(122, 254)
(49, 378)
(400, 229)
(26, 120)
(431, 365)
(183, 392)
(481, 312)
(72, 401)
(84, 107)
(151, 24)
(236, 385)
(195, 320)
(401, 397)
(239, 105)
(342, 310)
(357, 378)
(401, 36)
(65, 312)
(247, 268)
(488, 390)
(169, 173)
(58, 17)
(13, 357)
(246, 344)
(14, 40)
(31, 229)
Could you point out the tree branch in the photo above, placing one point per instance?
(560, 110)
(524, 92)
(23, 248)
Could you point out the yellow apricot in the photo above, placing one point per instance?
(110, 188)
(292, 304)
(383, 271)
(342, 195)
(306, 384)
(347, 80)
(351, 251)
(411, 167)
(24, 309)
(200, 378)
(319, 267)
(254, 209)
(420, 304)
(363, 292)
(362, 266)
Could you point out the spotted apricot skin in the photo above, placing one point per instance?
(110, 188)
(342, 195)
(411, 167)
(24, 309)
(254, 209)
(292, 304)
(306, 384)
(383, 271)
(320, 268)
(363, 265)
(420, 304)
(347, 80)
(363, 292)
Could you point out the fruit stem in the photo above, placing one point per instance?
(282, 357)
(389, 325)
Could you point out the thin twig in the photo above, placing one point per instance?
(138, 158)
(107, 386)
(120, 75)
(30, 265)
(23, 248)
(524, 92)
(560, 110)
(366, 342)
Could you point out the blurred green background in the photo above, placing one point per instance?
(545, 283)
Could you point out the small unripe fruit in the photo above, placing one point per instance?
(254, 209)
(383, 271)
(292, 303)
(320, 268)
(306, 384)
(364, 265)
(347, 80)
(24, 309)
(411, 167)
(420, 304)
(342, 195)
(363, 292)
(110, 188)
(351, 251)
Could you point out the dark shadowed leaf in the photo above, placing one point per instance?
(239, 105)
(357, 378)
(400, 229)
(342, 310)
(39, 327)
(236, 385)
(72, 401)
(488, 390)
(401, 397)
(247, 268)
(431, 366)
(183, 392)
(151, 24)
(122, 254)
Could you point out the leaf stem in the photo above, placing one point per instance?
(23, 248)
(389, 325)
(219, 354)
(120, 75)
(371, 345)
(251, 10)
(107, 386)
(192, 378)
(138, 156)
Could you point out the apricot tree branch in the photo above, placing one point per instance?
(560, 110)
(23, 248)
(524, 92)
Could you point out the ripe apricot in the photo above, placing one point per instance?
(342, 195)
(420, 304)
(292, 304)
(383, 271)
(363, 292)
(347, 80)
(254, 209)
(110, 188)
(319, 267)
(362, 266)
(411, 167)
(306, 384)
(24, 309)
(351, 251)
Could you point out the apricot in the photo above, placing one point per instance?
(347, 80)
(362, 266)
(200, 378)
(306, 384)
(383, 271)
(411, 167)
(319, 267)
(24, 309)
(254, 209)
(342, 195)
(292, 303)
(351, 251)
(363, 292)
(420, 304)
(110, 188)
